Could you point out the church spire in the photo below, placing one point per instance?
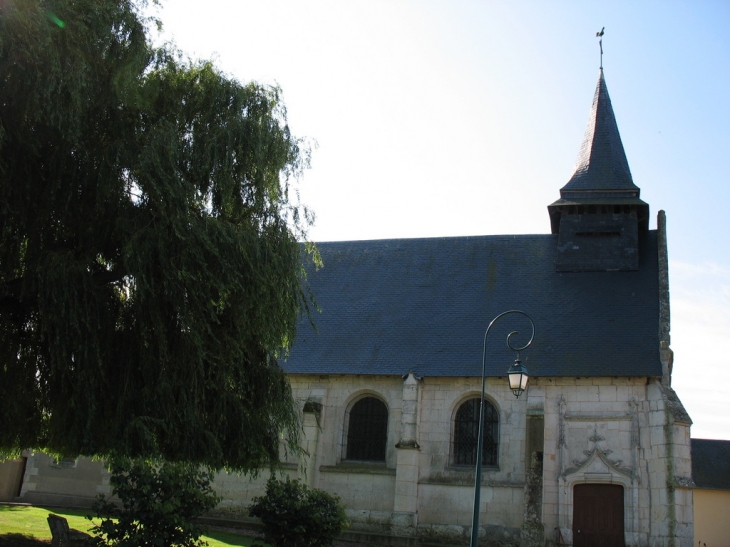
(599, 213)
(601, 166)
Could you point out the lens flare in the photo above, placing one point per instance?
(54, 18)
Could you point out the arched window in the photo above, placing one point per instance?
(367, 432)
(466, 432)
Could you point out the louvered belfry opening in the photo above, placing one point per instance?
(466, 434)
(367, 432)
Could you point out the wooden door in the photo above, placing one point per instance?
(598, 515)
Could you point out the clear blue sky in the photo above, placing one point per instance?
(439, 118)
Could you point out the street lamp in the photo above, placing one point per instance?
(518, 378)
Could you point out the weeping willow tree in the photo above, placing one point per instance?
(150, 270)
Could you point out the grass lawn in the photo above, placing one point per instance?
(21, 525)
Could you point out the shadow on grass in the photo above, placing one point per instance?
(26, 526)
(22, 540)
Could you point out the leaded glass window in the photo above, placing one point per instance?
(367, 432)
(466, 434)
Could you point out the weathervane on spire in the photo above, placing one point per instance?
(599, 35)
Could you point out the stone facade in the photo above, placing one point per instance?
(65, 483)
(620, 431)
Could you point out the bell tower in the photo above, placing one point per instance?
(599, 214)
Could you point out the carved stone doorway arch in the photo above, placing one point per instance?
(597, 470)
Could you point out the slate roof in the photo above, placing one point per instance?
(601, 164)
(392, 306)
(711, 464)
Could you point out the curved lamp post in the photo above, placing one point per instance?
(518, 377)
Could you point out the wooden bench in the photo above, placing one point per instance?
(63, 536)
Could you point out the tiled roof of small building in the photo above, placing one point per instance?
(391, 306)
(711, 464)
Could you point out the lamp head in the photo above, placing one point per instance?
(518, 377)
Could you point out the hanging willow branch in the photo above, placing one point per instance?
(150, 257)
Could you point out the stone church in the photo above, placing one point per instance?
(595, 452)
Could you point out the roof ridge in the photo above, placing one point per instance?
(430, 238)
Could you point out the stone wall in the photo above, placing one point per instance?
(615, 430)
(11, 478)
(68, 483)
(631, 432)
(626, 431)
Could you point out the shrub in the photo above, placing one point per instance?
(158, 504)
(295, 515)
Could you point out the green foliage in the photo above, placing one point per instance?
(150, 264)
(295, 515)
(158, 505)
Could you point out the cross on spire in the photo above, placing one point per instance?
(599, 35)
